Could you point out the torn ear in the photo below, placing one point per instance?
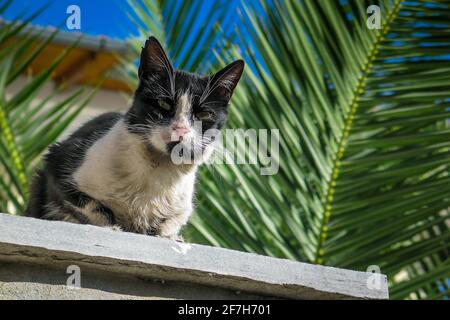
(225, 81)
(154, 60)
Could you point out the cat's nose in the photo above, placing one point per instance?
(179, 130)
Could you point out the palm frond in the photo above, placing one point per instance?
(175, 23)
(364, 153)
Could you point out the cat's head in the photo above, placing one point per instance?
(172, 109)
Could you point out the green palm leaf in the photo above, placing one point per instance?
(363, 119)
(27, 125)
(172, 23)
(364, 152)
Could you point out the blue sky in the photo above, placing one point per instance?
(110, 17)
(98, 17)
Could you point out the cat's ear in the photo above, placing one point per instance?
(224, 82)
(154, 60)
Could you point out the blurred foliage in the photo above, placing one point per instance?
(29, 121)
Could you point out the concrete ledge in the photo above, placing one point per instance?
(150, 267)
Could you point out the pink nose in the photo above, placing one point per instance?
(179, 130)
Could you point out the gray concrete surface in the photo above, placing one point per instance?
(36, 282)
(34, 255)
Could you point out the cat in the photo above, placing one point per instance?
(117, 170)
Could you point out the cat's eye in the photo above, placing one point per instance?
(203, 115)
(164, 105)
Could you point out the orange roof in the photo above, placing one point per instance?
(88, 63)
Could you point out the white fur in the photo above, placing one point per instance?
(142, 192)
(183, 108)
(158, 140)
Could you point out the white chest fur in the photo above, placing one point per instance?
(118, 172)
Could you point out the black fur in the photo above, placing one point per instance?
(54, 183)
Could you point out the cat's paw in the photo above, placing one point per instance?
(178, 238)
(174, 237)
(115, 228)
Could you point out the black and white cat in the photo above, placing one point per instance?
(116, 170)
